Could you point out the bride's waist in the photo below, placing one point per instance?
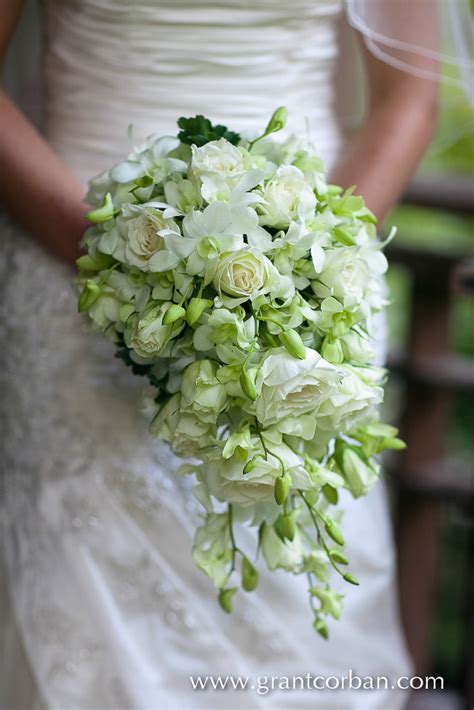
(93, 138)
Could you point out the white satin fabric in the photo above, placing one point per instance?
(106, 608)
(116, 62)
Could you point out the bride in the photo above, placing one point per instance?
(101, 604)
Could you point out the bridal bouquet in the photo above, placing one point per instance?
(243, 286)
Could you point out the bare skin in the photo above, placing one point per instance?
(35, 186)
(42, 195)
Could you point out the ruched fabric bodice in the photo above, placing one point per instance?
(111, 63)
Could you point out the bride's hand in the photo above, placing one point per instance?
(35, 187)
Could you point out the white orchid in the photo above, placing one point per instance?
(151, 159)
(218, 228)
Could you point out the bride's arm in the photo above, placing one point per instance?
(35, 187)
(383, 154)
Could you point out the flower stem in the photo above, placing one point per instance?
(320, 537)
(235, 549)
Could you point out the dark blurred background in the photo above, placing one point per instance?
(430, 395)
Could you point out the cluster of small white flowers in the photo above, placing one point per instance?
(243, 286)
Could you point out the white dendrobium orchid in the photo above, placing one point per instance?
(151, 159)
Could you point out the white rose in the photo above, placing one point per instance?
(360, 477)
(143, 240)
(134, 239)
(356, 394)
(288, 197)
(351, 274)
(245, 274)
(106, 309)
(201, 393)
(226, 480)
(147, 335)
(288, 387)
(184, 432)
(217, 157)
(357, 348)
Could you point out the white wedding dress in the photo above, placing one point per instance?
(102, 607)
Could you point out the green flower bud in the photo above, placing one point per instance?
(321, 627)
(90, 294)
(282, 488)
(173, 314)
(331, 494)
(392, 442)
(270, 339)
(250, 465)
(331, 350)
(196, 308)
(144, 181)
(334, 531)
(100, 261)
(225, 598)
(312, 496)
(293, 343)
(350, 578)
(247, 382)
(338, 557)
(249, 575)
(87, 263)
(344, 236)
(277, 121)
(288, 527)
(103, 213)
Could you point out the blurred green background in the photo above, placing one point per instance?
(451, 154)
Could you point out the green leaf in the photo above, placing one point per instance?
(198, 131)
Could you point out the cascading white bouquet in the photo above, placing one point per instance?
(243, 286)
